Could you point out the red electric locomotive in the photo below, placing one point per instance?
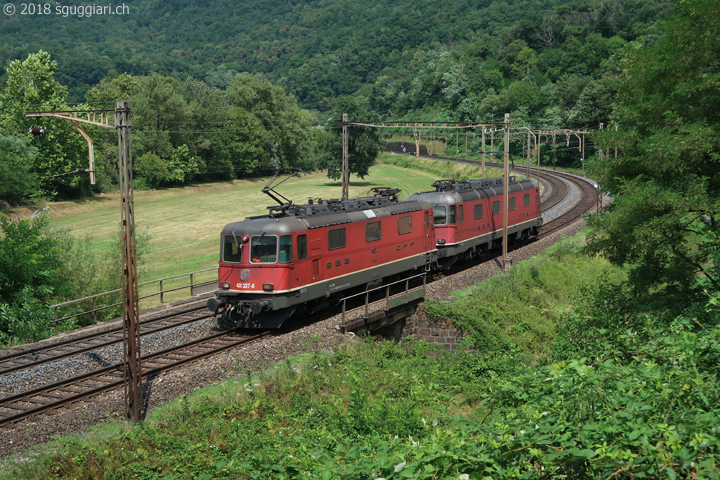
(468, 215)
(306, 255)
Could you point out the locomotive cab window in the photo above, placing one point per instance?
(496, 207)
(460, 213)
(232, 250)
(526, 200)
(302, 250)
(373, 231)
(263, 249)
(478, 211)
(336, 238)
(404, 225)
(286, 251)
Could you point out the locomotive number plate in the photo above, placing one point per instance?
(245, 285)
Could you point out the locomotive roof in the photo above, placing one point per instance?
(318, 213)
(451, 191)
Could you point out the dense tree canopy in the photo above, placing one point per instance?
(364, 143)
(31, 86)
(187, 130)
(665, 177)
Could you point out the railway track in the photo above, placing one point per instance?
(587, 201)
(32, 402)
(49, 397)
(86, 343)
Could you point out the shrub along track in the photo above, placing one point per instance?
(306, 334)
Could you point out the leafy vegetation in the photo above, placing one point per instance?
(401, 55)
(665, 178)
(41, 265)
(30, 85)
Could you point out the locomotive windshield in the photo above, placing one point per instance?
(231, 250)
(444, 215)
(263, 249)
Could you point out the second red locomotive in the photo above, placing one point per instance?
(468, 215)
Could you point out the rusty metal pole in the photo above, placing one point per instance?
(345, 159)
(131, 328)
(417, 133)
(529, 154)
(492, 144)
(616, 131)
(506, 181)
(537, 149)
(482, 169)
(582, 154)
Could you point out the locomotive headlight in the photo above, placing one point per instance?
(441, 241)
(225, 285)
(268, 287)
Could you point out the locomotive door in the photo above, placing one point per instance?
(428, 245)
(316, 247)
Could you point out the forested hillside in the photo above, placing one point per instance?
(223, 90)
(401, 55)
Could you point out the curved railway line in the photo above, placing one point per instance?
(23, 404)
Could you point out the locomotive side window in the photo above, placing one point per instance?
(511, 203)
(461, 213)
(336, 238)
(232, 252)
(526, 200)
(263, 249)
(478, 211)
(286, 252)
(452, 218)
(404, 225)
(373, 231)
(440, 215)
(302, 247)
(496, 207)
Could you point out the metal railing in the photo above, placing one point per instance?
(195, 289)
(403, 295)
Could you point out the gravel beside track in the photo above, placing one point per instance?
(322, 334)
